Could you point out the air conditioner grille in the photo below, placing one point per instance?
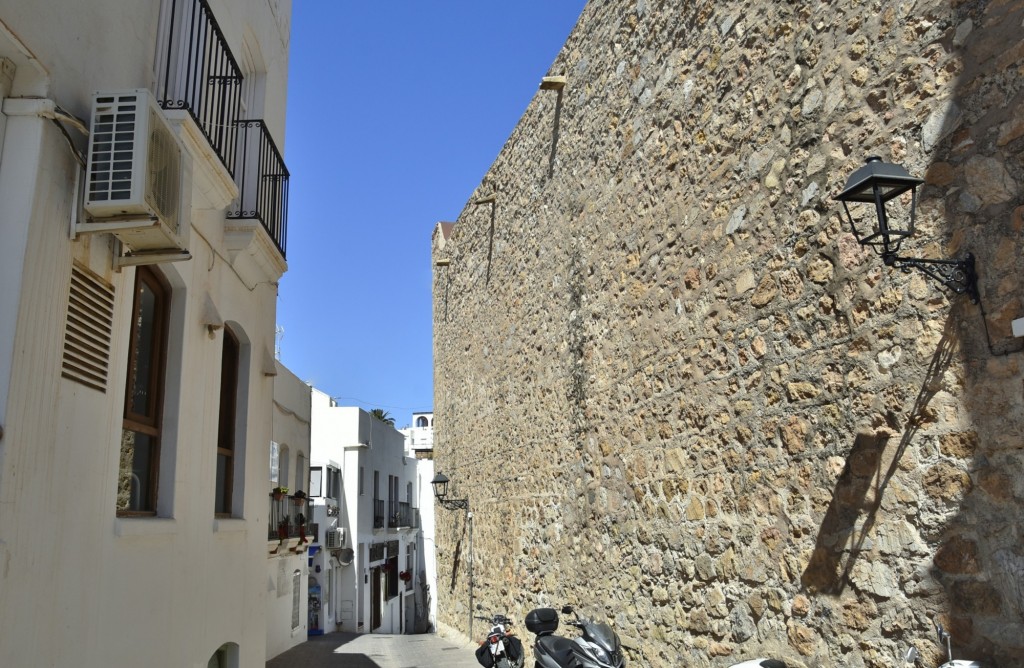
(163, 172)
(87, 331)
(113, 156)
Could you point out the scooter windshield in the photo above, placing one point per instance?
(602, 634)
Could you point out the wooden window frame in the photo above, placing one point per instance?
(229, 372)
(149, 423)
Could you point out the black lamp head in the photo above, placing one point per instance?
(440, 485)
(877, 183)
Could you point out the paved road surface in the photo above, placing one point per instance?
(352, 650)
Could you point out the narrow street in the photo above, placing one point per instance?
(352, 650)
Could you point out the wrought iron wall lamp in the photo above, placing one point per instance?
(879, 183)
(440, 485)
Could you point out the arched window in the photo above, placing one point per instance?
(142, 428)
(226, 423)
(283, 467)
(232, 421)
(422, 421)
(226, 656)
(300, 473)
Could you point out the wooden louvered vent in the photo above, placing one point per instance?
(88, 330)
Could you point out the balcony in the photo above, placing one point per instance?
(287, 518)
(198, 74)
(262, 182)
(405, 516)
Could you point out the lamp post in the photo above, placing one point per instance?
(878, 183)
(440, 485)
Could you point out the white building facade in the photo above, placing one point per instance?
(140, 249)
(290, 532)
(419, 436)
(373, 581)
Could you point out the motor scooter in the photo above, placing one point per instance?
(501, 649)
(760, 663)
(598, 646)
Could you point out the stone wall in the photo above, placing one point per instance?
(676, 391)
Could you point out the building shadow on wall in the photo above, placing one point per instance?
(554, 136)
(870, 466)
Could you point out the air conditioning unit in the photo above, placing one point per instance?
(335, 539)
(139, 175)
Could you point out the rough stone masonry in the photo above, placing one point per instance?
(677, 392)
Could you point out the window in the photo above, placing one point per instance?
(139, 468)
(296, 597)
(283, 470)
(300, 473)
(336, 484)
(421, 421)
(275, 464)
(226, 423)
(376, 485)
(392, 495)
(362, 487)
(316, 474)
(225, 657)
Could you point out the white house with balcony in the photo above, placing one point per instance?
(143, 202)
(419, 435)
(373, 581)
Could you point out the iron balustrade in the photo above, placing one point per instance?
(199, 74)
(284, 517)
(262, 181)
(405, 516)
(378, 513)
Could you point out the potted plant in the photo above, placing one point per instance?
(279, 493)
(299, 497)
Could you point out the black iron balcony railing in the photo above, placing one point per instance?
(287, 518)
(405, 516)
(378, 513)
(262, 181)
(199, 74)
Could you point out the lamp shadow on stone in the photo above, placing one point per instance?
(457, 557)
(873, 460)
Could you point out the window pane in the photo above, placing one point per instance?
(221, 505)
(296, 592)
(275, 453)
(142, 373)
(134, 486)
(315, 481)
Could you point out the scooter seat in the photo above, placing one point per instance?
(558, 647)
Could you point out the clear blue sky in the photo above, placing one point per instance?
(395, 112)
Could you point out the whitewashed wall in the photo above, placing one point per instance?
(80, 586)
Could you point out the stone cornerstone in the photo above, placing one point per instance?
(679, 395)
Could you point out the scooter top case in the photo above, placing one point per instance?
(542, 621)
(549, 650)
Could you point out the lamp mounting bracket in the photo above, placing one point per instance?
(957, 276)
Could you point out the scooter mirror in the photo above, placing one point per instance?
(912, 656)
